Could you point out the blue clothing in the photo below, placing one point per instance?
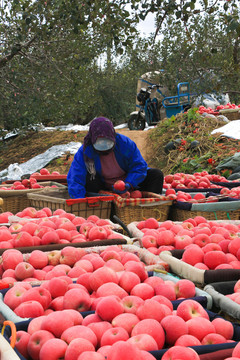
(127, 155)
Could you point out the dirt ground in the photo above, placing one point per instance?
(24, 147)
(141, 140)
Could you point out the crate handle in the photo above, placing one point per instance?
(89, 200)
(160, 214)
(13, 330)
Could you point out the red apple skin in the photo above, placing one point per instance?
(223, 327)
(180, 353)
(99, 329)
(214, 258)
(190, 308)
(35, 324)
(143, 342)
(57, 287)
(185, 288)
(151, 327)
(13, 296)
(29, 309)
(236, 351)
(24, 270)
(36, 341)
(213, 338)
(113, 335)
(54, 323)
(125, 350)
(174, 327)
(138, 268)
(119, 185)
(136, 194)
(111, 289)
(41, 295)
(193, 254)
(22, 339)
(79, 331)
(102, 276)
(126, 320)
(53, 349)
(108, 307)
(77, 299)
(131, 303)
(143, 291)
(91, 355)
(200, 327)
(187, 340)
(166, 290)
(77, 347)
(150, 309)
(10, 258)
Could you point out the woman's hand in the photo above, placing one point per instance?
(127, 188)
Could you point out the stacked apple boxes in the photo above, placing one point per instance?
(128, 312)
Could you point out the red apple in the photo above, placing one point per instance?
(119, 185)
(36, 341)
(180, 353)
(22, 339)
(53, 349)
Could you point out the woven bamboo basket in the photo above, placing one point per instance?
(99, 205)
(231, 114)
(150, 206)
(17, 200)
(181, 215)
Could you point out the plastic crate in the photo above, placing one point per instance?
(98, 205)
(57, 178)
(198, 276)
(225, 305)
(17, 200)
(208, 352)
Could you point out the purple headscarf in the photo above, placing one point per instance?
(99, 127)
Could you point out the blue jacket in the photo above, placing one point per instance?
(127, 155)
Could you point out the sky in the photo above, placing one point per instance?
(147, 26)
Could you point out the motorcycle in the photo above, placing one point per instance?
(149, 109)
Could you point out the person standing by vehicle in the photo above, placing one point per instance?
(106, 157)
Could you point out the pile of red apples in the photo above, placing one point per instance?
(186, 197)
(44, 172)
(133, 313)
(198, 180)
(200, 197)
(207, 244)
(26, 184)
(44, 227)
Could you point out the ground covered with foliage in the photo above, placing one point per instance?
(195, 148)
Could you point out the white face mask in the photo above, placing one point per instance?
(103, 144)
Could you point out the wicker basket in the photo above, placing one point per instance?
(231, 114)
(99, 205)
(17, 200)
(181, 215)
(150, 206)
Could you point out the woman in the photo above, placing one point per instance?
(106, 157)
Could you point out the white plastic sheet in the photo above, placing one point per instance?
(231, 129)
(15, 171)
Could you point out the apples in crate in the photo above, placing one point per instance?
(198, 180)
(44, 227)
(110, 328)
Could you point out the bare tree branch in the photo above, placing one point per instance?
(4, 60)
